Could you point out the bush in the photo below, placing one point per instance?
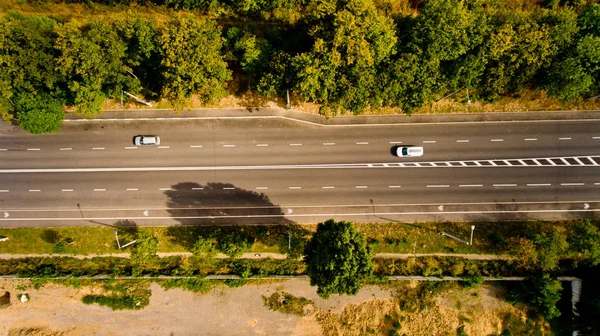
(286, 303)
(472, 281)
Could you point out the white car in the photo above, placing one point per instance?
(404, 151)
(146, 140)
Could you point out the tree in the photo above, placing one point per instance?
(145, 248)
(338, 259)
(39, 113)
(191, 60)
(204, 248)
(524, 252)
(586, 240)
(551, 245)
(351, 40)
(91, 59)
(544, 294)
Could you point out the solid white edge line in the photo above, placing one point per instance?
(572, 184)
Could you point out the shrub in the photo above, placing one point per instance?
(286, 303)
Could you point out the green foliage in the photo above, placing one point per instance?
(541, 292)
(90, 57)
(589, 20)
(191, 61)
(204, 248)
(472, 281)
(39, 113)
(145, 248)
(586, 240)
(338, 259)
(234, 243)
(122, 295)
(349, 44)
(286, 303)
(198, 285)
(552, 245)
(460, 331)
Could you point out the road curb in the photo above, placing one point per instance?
(319, 120)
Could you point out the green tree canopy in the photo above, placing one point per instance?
(338, 259)
(91, 58)
(191, 59)
(39, 113)
(350, 42)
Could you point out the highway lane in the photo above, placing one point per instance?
(266, 195)
(254, 142)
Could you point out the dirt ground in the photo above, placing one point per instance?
(57, 310)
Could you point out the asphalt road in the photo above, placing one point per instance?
(279, 171)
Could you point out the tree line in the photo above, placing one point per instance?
(347, 55)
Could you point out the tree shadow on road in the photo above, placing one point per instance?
(213, 209)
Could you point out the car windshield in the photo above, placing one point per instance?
(404, 151)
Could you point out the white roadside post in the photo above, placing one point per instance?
(472, 229)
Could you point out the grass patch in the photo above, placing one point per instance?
(286, 303)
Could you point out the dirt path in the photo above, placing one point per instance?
(267, 255)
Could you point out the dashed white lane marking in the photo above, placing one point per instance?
(33, 149)
(197, 188)
(67, 190)
(131, 148)
(497, 140)
(34, 190)
(3, 149)
(228, 145)
(531, 139)
(98, 148)
(539, 184)
(564, 138)
(395, 142)
(596, 183)
(505, 185)
(132, 189)
(262, 188)
(327, 187)
(164, 189)
(328, 143)
(196, 146)
(262, 145)
(99, 189)
(229, 188)
(164, 147)
(462, 140)
(395, 186)
(295, 144)
(438, 186)
(361, 187)
(596, 138)
(429, 141)
(66, 148)
(295, 188)
(572, 184)
(470, 185)
(4, 190)
(362, 143)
